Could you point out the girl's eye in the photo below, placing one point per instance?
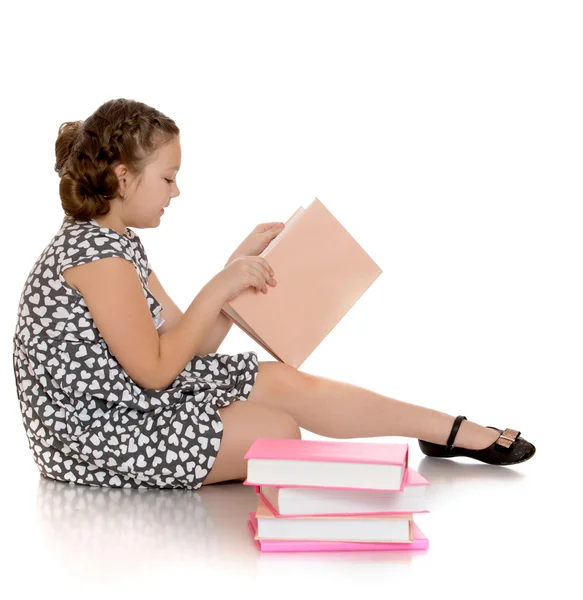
(169, 180)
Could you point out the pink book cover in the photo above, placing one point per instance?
(321, 272)
(411, 479)
(420, 542)
(328, 451)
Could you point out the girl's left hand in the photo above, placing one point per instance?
(256, 242)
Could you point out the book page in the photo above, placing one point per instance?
(280, 235)
(234, 316)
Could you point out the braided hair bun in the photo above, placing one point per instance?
(119, 132)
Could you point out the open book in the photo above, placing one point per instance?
(321, 272)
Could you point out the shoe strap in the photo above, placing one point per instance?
(454, 430)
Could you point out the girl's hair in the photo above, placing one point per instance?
(119, 131)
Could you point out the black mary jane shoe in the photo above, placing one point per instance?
(508, 449)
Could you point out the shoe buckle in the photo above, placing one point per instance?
(508, 437)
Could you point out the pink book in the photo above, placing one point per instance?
(412, 481)
(326, 464)
(420, 542)
(321, 271)
(392, 527)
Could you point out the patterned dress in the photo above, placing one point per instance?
(86, 420)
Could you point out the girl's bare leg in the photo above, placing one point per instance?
(243, 422)
(340, 410)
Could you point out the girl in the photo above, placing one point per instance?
(119, 388)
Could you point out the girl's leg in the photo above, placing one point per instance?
(341, 410)
(243, 422)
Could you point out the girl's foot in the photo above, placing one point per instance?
(504, 447)
(475, 437)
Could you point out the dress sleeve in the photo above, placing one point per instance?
(95, 246)
(141, 256)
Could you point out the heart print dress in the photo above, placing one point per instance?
(86, 420)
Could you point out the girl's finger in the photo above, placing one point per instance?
(263, 265)
(261, 273)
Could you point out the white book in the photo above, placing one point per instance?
(363, 528)
(322, 501)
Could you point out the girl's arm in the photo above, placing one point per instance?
(216, 335)
(171, 314)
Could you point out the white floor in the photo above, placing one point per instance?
(494, 532)
(446, 137)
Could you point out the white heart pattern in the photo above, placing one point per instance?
(87, 421)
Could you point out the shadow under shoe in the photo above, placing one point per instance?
(508, 449)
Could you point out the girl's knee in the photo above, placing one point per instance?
(276, 380)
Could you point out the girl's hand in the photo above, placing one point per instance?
(256, 242)
(241, 273)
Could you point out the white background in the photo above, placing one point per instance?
(447, 137)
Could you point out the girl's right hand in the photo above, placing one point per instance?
(244, 272)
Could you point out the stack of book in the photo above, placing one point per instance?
(319, 495)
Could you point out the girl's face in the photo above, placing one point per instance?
(147, 196)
